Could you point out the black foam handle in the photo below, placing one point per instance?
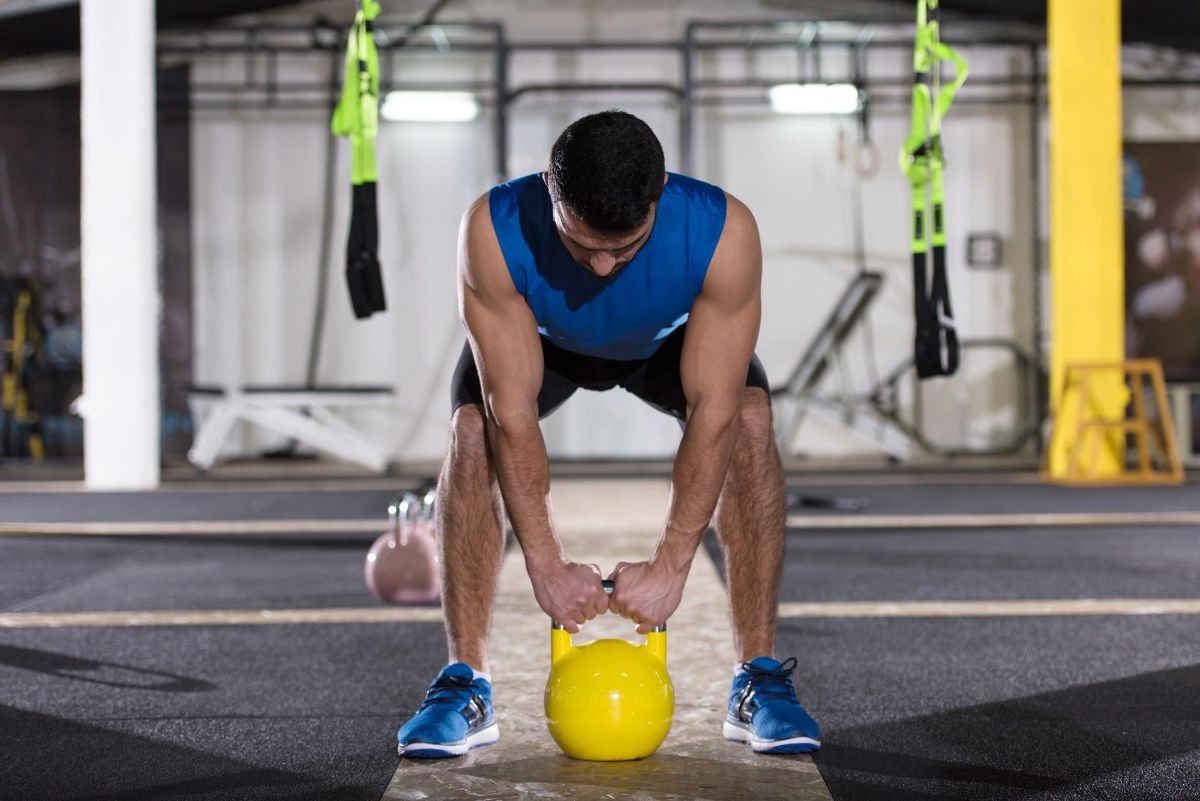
(364, 278)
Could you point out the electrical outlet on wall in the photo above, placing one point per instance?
(984, 250)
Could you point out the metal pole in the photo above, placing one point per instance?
(323, 255)
(500, 118)
(1035, 174)
(687, 102)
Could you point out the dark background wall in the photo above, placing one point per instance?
(39, 249)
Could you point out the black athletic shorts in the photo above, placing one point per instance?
(655, 380)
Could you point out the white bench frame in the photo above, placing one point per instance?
(300, 414)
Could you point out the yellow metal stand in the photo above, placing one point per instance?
(1093, 440)
(14, 398)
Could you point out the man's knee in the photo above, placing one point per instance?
(754, 417)
(468, 436)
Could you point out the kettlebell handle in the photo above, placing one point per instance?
(412, 506)
(609, 585)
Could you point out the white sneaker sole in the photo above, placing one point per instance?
(479, 739)
(791, 745)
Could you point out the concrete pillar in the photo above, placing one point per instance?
(121, 301)
(1087, 263)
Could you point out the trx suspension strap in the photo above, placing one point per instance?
(922, 160)
(357, 117)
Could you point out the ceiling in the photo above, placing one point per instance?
(29, 27)
(1166, 22)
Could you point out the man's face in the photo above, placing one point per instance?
(601, 254)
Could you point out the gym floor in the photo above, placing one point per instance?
(965, 636)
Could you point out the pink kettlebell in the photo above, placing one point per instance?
(402, 565)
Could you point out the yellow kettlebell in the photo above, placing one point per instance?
(609, 700)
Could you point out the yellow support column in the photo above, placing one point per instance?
(1087, 280)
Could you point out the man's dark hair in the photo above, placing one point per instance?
(607, 168)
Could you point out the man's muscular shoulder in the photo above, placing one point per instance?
(481, 267)
(740, 226)
(736, 266)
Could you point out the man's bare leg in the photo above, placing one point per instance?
(470, 537)
(751, 518)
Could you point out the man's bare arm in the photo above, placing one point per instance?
(721, 332)
(508, 354)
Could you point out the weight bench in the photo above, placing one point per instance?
(301, 413)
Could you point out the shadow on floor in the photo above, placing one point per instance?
(1062, 745)
(77, 669)
(52, 759)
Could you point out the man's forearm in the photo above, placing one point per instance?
(696, 481)
(523, 471)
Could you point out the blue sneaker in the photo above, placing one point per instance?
(765, 712)
(455, 717)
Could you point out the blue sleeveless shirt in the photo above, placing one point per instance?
(627, 315)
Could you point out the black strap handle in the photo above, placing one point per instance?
(935, 351)
(363, 276)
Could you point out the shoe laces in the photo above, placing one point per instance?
(772, 683)
(448, 689)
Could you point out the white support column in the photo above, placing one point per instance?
(121, 302)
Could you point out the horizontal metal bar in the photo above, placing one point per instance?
(907, 81)
(610, 45)
(595, 87)
(257, 107)
(897, 101)
(902, 18)
(18, 8)
(734, 44)
(174, 103)
(990, 81)
(256, 37)
(315, 48)
(301, 27)
(179, 103)
(1159, 83)
(750, 22)
(848, 44)
(299, 87)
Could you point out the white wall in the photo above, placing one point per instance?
(258, 184)
(258, 191)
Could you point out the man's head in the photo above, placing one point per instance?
(605, 178)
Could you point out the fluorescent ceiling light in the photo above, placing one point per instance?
(429, 107)
(814, 98)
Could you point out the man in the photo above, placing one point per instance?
(606, 271)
